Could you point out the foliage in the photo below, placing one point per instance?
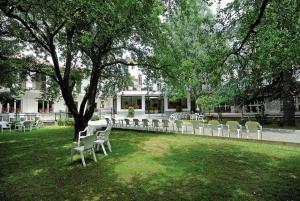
(268, 60)
(166, 166)
(95, 117)
(191, 47)
(130, 112)
(89, 35)
(66, 122)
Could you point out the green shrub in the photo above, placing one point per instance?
(66, 122)
(95, 117)
(130, 111)
(61, 122)
(69, 122)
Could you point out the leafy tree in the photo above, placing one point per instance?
(193, 48)
(264, 56)
(93, 33)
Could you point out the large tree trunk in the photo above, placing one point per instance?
(287, 98)
(80, 124)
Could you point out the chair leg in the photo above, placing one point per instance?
(103, 148)
(82, 159)
(72, 153)
(259, 135)
(219, 132)
(94, 155)
(109, 146)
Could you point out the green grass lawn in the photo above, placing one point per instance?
(36, 166)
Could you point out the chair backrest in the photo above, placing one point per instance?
(252, 126)
(178, 123)
(127, 121)
(232, 125)
(90, 130)
(195, 123)
(165, 122)
(88, 141)
(136, 122)
(27, 124)
(4, 124)
(155, 122)
(214, 124)
(145, 122)
(104, 135)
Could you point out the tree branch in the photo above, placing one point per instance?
(251, 30)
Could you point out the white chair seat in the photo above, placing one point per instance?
(79, 149)
(99, 141)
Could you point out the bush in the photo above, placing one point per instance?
(66, 122)
(130, 111)
(95, 117)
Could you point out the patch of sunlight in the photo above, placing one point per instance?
(239, 194)
(155, 147)
(138, 164)
(36, 172)
(68, 146)
(7, 142)
(147, 162)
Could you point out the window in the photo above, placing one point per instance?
(223, 108)
(102, 104)
(45, 106)
(40, 81)
(177, 103)
(10, 107)
(131, 101)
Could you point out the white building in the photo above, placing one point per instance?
(145, 100)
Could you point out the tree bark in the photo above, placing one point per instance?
(80, 124)
(288, 99)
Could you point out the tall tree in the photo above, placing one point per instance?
(265, 48)
(96, 33)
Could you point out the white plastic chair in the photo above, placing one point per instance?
(165, 124)
(85, 144)
(155, 124)
(234, 126)
(145, 123)
(136, 123)
(215, 125)
(89, 130)
(5, 124)
(24, 125)
(103, 138)
(35, 124)
(254, 127)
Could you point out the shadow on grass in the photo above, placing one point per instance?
(147, 167)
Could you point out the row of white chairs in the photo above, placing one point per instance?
(233, 127)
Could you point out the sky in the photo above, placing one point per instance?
(222, 4)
